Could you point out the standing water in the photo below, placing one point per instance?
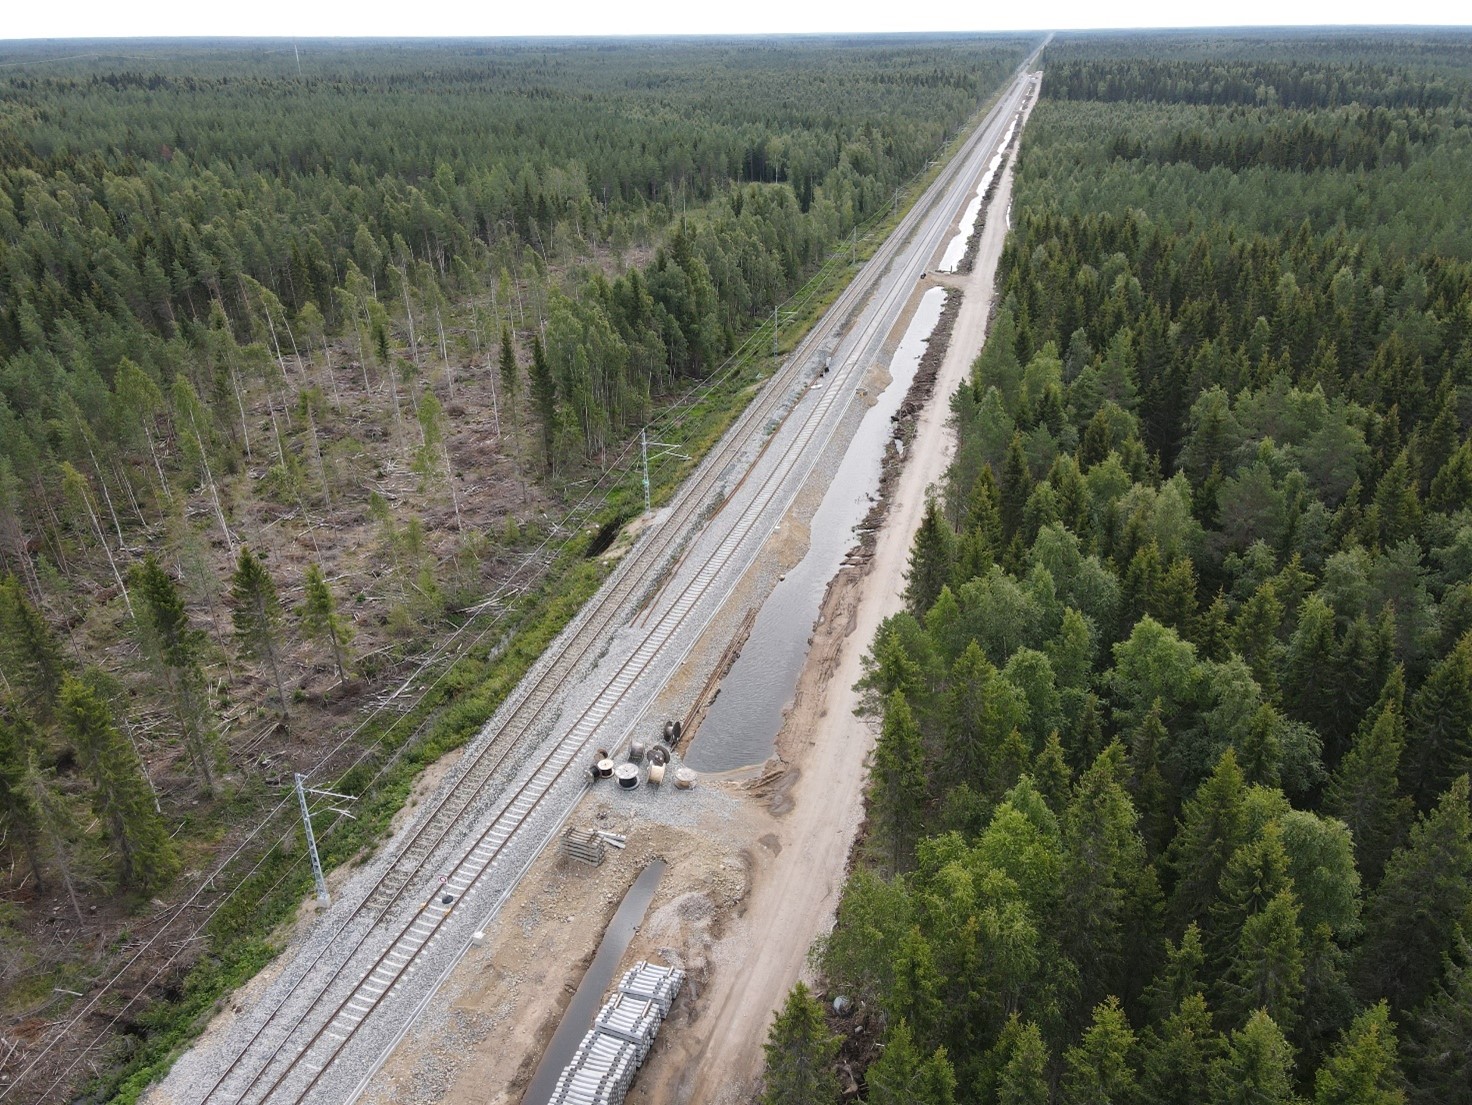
(742, 725)
(589, 997)
(956, 248)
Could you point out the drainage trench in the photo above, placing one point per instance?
(590, 992)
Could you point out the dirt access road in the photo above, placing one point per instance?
(756, 860)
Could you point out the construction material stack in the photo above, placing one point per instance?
(614, 1048)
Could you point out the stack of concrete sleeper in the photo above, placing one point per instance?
(614, 1048)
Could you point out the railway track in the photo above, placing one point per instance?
(288, 1062)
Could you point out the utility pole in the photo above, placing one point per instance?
(644, 456)
(774, 330)
(665, 450)
(301, 800)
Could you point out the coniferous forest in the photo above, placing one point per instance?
(1170, 798)
(306, 351)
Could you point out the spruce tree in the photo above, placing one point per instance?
(1257, 1068)
(1051, 774)
(1439, 733)
(1364, 1069)
(897, 783)
(1261, 752)
(1182, 975)
(321, 621)
(931, 560)
(19, 816)
(1023, 1076)
(1255, 637)
(1016, 488)
(1101, 1069)
(1255, 875)
(1365, 792)
(800, 1052)
(1413, 917)
(256, 612)
(29, 658)
(1108, 886)
(544, 397)
(1267, 972)
(984, 510)
(1308, 695)
(1439, 1047)
(903, 1075)
(1147, 787)
(174, 647)
(1213, 827)
(1176, 1055)
(144, 854)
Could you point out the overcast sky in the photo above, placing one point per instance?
(309, 18)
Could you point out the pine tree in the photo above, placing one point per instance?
(800, 1052)
(256, 612)
(1412, 918)
(174, 647)
(321, 621)
(145, 855)
(1364, 1068)
(902, 1075)
(897, 783)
